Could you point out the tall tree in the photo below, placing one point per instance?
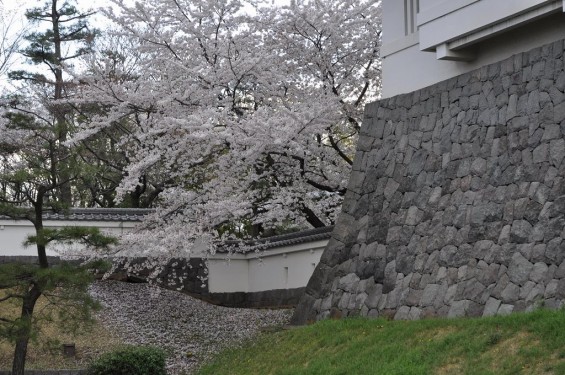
(253, 118)
(37, 171)
(54, 49)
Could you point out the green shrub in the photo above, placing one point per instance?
(130, 361)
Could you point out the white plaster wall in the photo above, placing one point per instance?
(228, 276)
(14, 233)
(12, 238)
(283, 271)
(427, 5)
(412, 69)
(393, 20)
(285, 267)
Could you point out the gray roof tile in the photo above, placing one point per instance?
(96, 214)
(295, 238)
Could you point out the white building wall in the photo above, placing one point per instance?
(228, 275)
(457, 36)
(14, 233)
(285, 267)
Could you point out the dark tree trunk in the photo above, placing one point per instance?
(65, 193)
(38, 224)
(32, 295)
(20, 352)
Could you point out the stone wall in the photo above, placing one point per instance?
(456, 202)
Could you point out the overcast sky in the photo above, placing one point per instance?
(23, 4)
(18, 8)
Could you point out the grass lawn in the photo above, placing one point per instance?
(47, 353)
(532, 343)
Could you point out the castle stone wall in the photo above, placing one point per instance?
(456, 201)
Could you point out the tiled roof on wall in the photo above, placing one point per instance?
(295, 238)
(96, 214)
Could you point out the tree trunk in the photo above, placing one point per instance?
(32, 295)
(60, 112)
(38, 224)
(18, 366)
(20, 352)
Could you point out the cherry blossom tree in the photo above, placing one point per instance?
(252, 116)
(112, 148)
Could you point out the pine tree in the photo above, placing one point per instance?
(37, 171)
(67, 30)
(30, 176)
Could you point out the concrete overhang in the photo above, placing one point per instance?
(476, 21)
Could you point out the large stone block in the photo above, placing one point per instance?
(520, 231)
(452, 256)
(510, 293)
(458, 309)
(555, 251)
(519, 269)
(491, 307)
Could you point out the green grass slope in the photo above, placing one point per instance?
(532, 343)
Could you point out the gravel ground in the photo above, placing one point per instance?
(188, 328)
